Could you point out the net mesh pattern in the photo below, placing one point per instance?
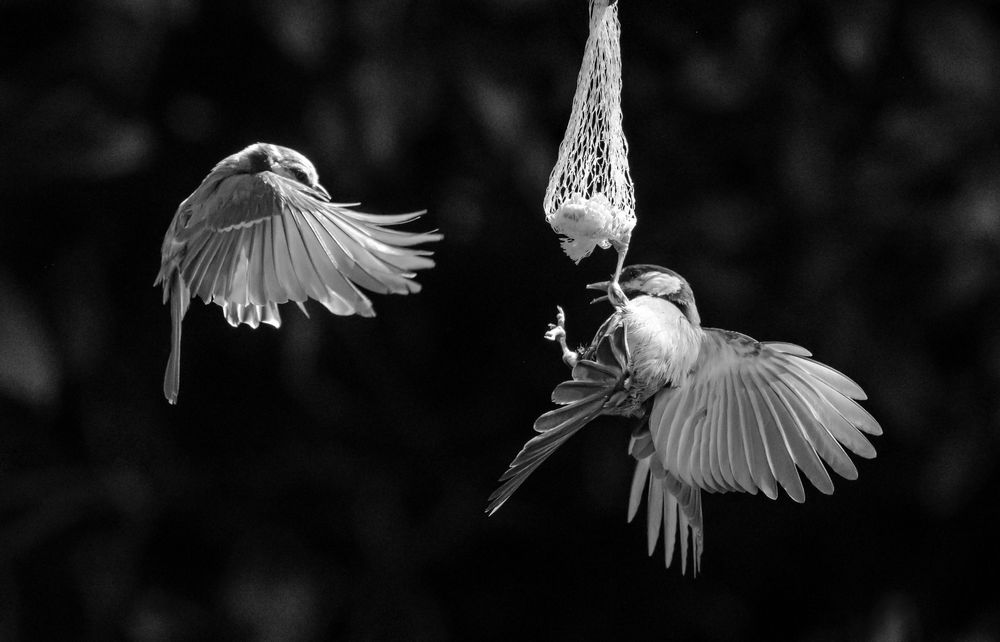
(590, 198)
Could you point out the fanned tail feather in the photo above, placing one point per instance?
(671, 502)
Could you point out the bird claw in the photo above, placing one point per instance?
(555, 333)
(616, 295)
(557, 330)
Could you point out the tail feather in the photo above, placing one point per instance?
(672, 503)
(179, 295)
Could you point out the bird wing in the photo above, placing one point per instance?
(261, 239)
(751, 412)
(592, 389)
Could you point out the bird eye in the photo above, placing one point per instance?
(300, 175)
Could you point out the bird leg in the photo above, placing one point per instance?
(557, 332)
(616, 296)
(622, 249)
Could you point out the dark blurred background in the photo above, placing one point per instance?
(825, 173)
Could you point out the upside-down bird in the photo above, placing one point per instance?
(713, 410)
(260, 230)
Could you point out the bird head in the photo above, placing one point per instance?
(283, 161)
(655, 281)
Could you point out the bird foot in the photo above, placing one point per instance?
(557, 332)
(616, 295)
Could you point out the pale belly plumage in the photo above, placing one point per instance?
(662, 343)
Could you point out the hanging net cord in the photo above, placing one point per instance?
(591, 174)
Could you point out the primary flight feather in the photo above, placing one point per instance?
(260, 230)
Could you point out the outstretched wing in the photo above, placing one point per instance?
(261, 239)
(752, 412)
(593, 389)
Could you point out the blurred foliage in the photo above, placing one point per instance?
(826, 173)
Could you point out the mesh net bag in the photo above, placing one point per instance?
(590, 199)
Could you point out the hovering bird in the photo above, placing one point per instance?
(260, 230)
(712, 410)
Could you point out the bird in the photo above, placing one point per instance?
(711, 410)
(260, 230)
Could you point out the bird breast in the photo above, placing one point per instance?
(662, 342)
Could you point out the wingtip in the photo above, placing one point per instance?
(494, 505)
(171, 388)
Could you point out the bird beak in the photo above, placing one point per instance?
(603, 287)
(322, 190)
